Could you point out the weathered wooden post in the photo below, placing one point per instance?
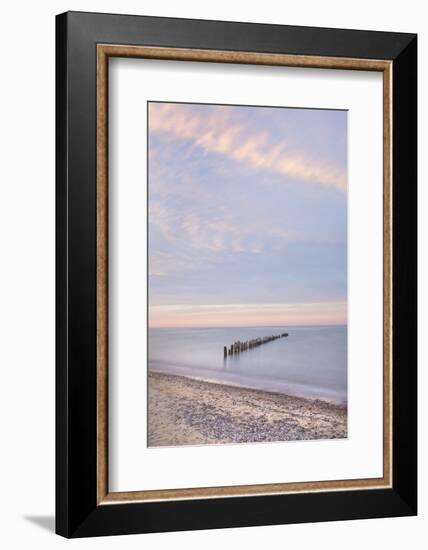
(238, 346)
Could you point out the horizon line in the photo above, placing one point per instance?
(252, 326)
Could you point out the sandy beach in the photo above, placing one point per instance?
(183, 411)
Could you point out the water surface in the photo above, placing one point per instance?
(310, 362)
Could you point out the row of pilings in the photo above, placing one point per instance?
(238, 347)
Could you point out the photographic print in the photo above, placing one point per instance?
(247, 274)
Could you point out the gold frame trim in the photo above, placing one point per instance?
(104, 51)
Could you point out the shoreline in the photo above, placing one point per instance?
(189, 411)
(231, 384)
(291, 389)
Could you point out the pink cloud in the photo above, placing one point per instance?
(324, 313)
(222, 132)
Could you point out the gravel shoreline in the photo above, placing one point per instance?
(183, 411)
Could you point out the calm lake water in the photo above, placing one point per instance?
(311, 361)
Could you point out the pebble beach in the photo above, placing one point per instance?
(186, 411)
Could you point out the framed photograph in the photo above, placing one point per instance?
(236, 274)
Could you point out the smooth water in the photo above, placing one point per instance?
(311, 361)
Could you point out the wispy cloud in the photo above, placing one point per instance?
(164, 264)
(215, 233)
(248, 314)
(224, 131)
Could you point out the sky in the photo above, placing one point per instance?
(247, 216)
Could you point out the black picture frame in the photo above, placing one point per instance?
(77, 511)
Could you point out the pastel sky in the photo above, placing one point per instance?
(247, 216)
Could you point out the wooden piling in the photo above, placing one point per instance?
(239, 347)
